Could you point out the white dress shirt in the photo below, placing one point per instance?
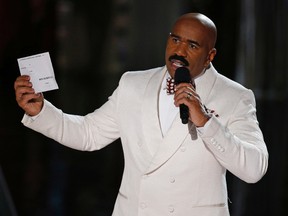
(167, 109)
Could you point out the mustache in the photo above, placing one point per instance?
(179, 58)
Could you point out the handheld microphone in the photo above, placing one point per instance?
(182, 75)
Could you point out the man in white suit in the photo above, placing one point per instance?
(170, 168)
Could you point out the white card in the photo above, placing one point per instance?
(39, 68)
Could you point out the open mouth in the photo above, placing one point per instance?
(177, 63)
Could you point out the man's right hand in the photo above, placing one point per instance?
(26, 98)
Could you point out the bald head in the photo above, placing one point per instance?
(204, 22)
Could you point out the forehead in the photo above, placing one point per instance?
(191, 30)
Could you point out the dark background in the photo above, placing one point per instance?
(91, 43)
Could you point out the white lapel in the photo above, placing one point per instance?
(204, 84)
(170, 144)
(151, 126)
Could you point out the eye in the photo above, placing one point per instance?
(175, 40)
(193, 46)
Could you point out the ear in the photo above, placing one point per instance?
(210, 57)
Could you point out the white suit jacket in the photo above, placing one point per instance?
(186, 176)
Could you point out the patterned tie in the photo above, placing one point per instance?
(170, 86)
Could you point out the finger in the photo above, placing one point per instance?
(185, 85)
(185, 88)
(183, 100)
(191, 88)
(22, 85)
(185, 92)
(23, 91)
(22, 81)
(23, 78)
(189, 94)
(187, 97)
(26, 98)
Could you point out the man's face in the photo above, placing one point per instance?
(188, 45)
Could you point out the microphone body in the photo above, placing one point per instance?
(182, 75)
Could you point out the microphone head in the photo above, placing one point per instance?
(182, 74)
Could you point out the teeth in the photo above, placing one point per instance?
(178, 64)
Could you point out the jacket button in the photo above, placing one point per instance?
(143, 205)
(183, 149)
(171, 208)
(172, 180)
(213, 141)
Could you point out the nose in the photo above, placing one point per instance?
(181, 49)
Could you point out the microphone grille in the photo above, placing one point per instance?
(182, 75)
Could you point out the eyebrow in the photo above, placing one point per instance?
(190, 41)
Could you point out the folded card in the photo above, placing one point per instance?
(39, 68)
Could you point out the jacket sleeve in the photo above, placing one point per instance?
(239, 145)
(87, 133)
